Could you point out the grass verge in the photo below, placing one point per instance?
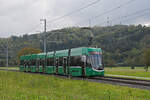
(23, 86)
(15, 68)
(138, 71)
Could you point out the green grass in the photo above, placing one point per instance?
(23, 86)
(138, 71)
(17, 68)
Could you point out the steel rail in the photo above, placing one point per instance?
(124, 80)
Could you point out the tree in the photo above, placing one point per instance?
(146, 58)
(119, 43)
(28, 50)
(131, 62)
(111, 63)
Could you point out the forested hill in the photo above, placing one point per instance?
(121, 44)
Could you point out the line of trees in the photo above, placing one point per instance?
(122, 45)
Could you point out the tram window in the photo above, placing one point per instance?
(50, 62)
(57, 62)
(61, 61)
(34, 62)
(22, 62)
(26, 62)
(76, 61)
(29, 63)
(38, 62)
(88, 63)
(64, 60)
(47, 62)
(41, 62)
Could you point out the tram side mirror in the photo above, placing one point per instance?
(83, 58)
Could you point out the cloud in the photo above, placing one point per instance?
(18, 17)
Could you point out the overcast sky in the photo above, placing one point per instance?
(18, 17)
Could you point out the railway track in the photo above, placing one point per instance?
(135, 83)
(125, 80)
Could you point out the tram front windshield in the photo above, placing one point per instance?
(96, 61)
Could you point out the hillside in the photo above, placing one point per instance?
(121, 44)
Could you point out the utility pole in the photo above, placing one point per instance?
(44, 43)
(108, 21)
(89, 22)
(120, 21)
(7, 54)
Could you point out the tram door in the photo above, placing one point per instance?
(65, 64)
(25, 65)
(38, 65)
(43, 66)
(83, 65)
(57, 65)
(28, 67)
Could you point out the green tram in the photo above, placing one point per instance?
(72, 62)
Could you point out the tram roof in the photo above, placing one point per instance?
(50, 54)
(25, 57)
(33, 56)
(41, 55)
(61, 53)
(84, 51)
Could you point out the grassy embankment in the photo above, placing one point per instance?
(23, 86)
(138, 71)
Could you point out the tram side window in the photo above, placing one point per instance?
(25, 63)
(76, 61)
(33, 62)
(47, 62)
(88, 63)
(29, 63)
(41, 62)
(38, 62)
(22, 62)
(61, 61)
(50, 62)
